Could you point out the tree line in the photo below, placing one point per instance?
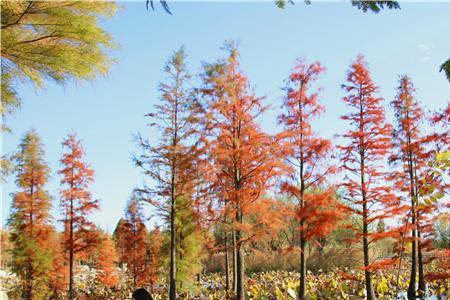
(215, 178)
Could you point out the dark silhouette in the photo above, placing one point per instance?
(142, 294)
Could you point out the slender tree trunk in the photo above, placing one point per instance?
(134, 256)
(421, 290)
(71, 244)
(227, 271)
(412, 278)
(365, 212)
(234, 265)
(302, 290)
(181, 255)
(240, 261)
(368, 275)
(173, 247)
(420, 262)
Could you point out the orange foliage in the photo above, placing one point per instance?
(242, 154)
(241, 151)
(368, 143)
(77, 203)
(106, 260)
(308, 157)
(31, 232)
(131, 243)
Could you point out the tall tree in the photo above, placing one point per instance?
(240, 150)
(170, 163)
(308, 157)
(77, 202)
(131, 235)
(59, 275)
(30, 229)
(105, 260)
(368, 143)
(154, 248)
(190, 240)
(53, 40)
(411, 154)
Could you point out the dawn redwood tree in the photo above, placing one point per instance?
(77, 202)
(190, 239)
(30, 229)
(105, 259)
(410, 153)
(131, 241)
(118, 236)
(241, 152)
(308, 156)
(368, 143)
(59, 275)
(170, 163)
(154, 253)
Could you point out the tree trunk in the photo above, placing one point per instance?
(181, 255)
(370, 294)
(71, 244)
(234, 265)
(240, 260)
(412, 278)
(240, 274)
(173, 246)
(420, 263)
(368, 275)
(302, 290)
(227, 271)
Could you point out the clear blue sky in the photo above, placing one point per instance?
(105, 113)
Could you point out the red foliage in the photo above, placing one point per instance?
(307, 154)
(414, 179)
(368, 143)
(243, 164)
(347, 276)
(241, 151)
(76, 199)
(442, 258)
(382, 264)
(131, 243)
(106, 259)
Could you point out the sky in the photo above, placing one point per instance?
(107, 113)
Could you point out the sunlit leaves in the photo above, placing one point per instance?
(59, 40)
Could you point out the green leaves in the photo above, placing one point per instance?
(371, 6)
(60, 41)
(446, 68)
(375, 6)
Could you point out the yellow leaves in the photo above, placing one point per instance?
(382, 286)
(443, 157)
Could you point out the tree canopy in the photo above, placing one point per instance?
(54, 40)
